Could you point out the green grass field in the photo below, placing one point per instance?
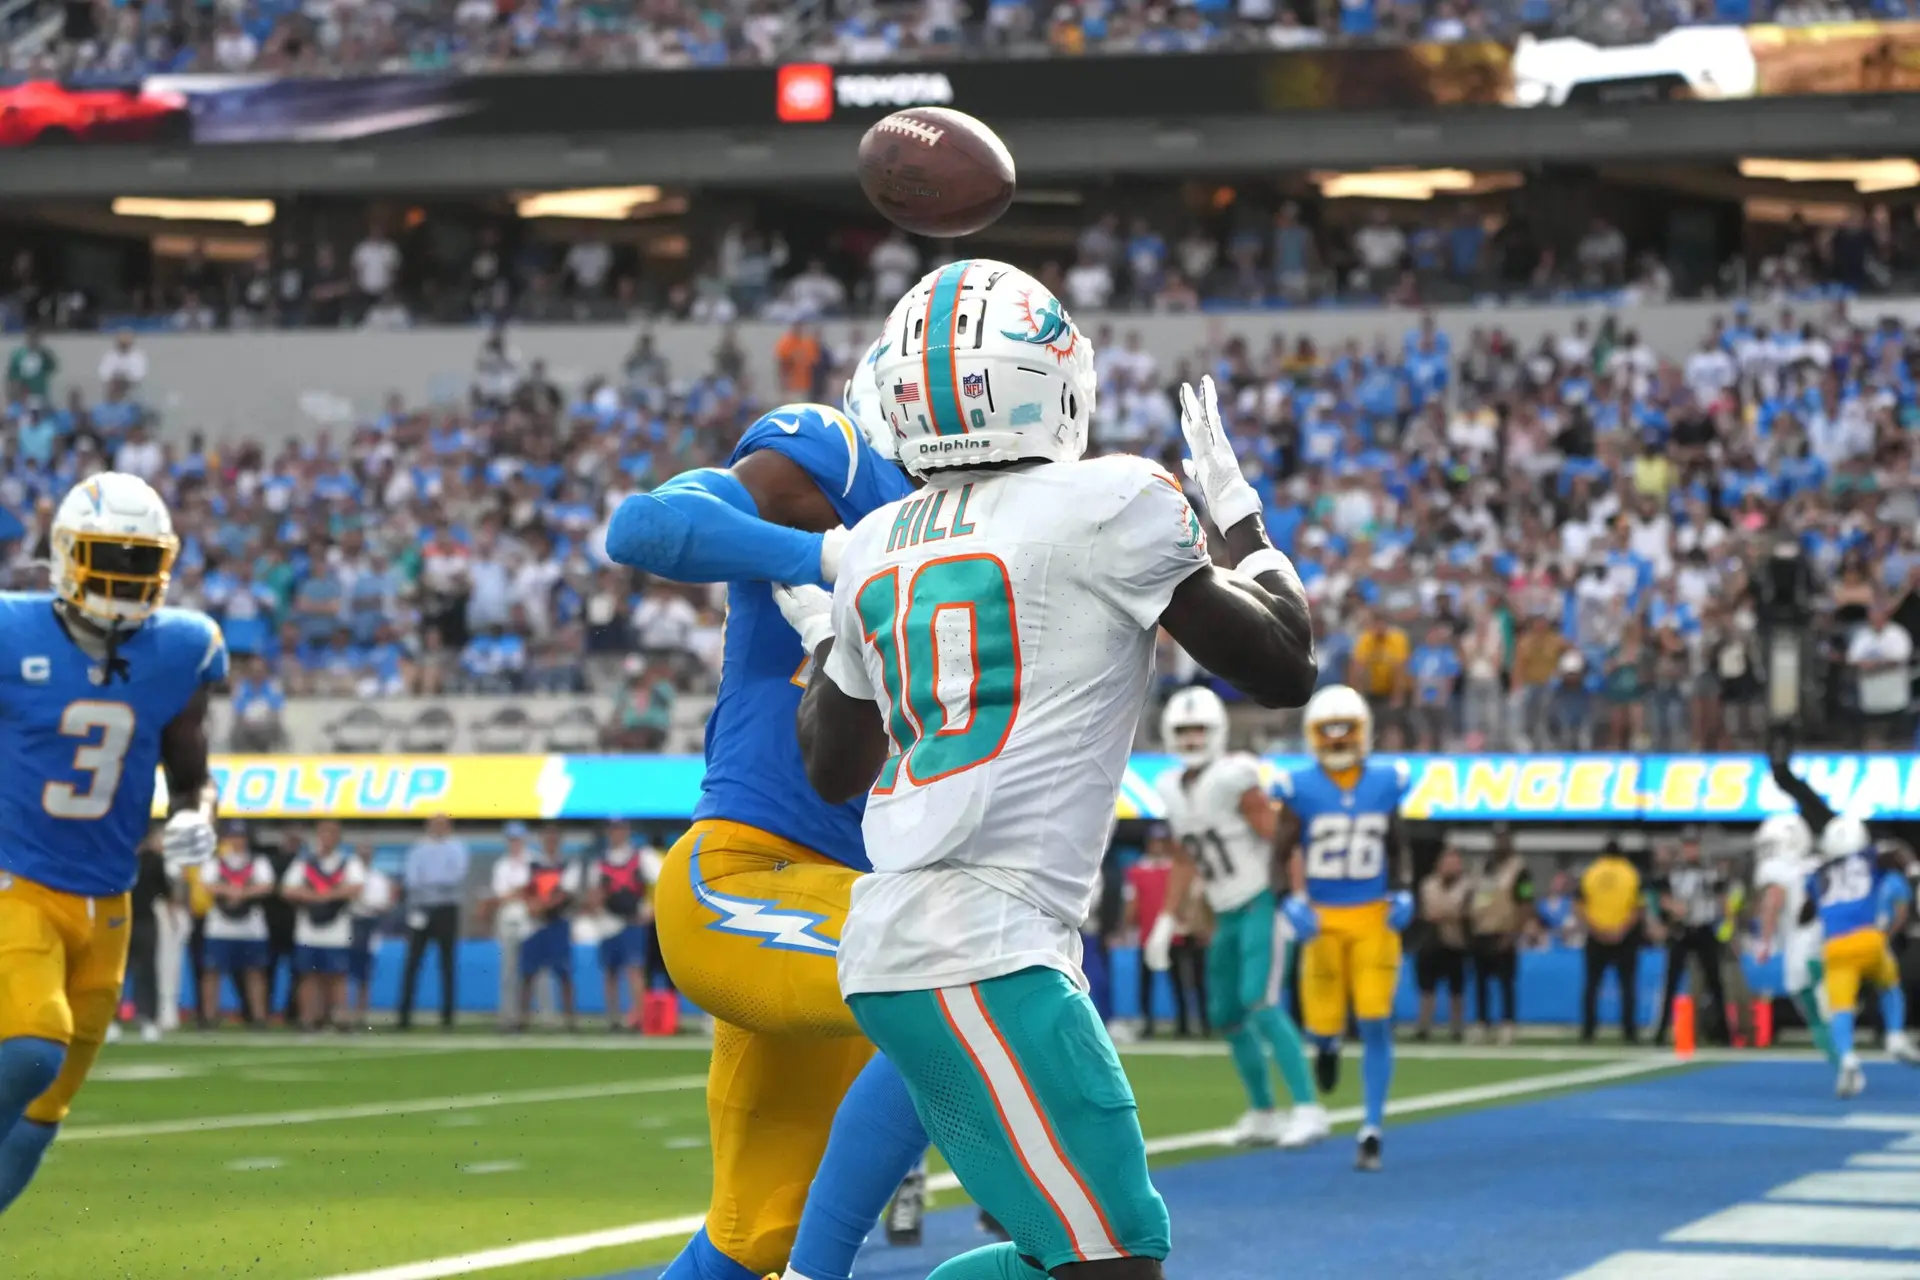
(287, 1161)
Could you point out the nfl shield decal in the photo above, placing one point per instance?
(973, 385)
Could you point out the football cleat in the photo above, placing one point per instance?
(1306, 1126)
(1900, 1048)
(906, 1212)
(1367, 1158)
(1258, 1129)
(1852, 1081)
(1326, 1068)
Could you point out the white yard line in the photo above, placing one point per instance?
(378, 1044)
(1856, 1121)
(514, 1255)
(315, 1050)
(378, 1110)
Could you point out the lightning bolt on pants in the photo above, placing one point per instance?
(749, 925)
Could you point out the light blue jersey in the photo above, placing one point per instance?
(754, 771)
(1846, 891)
(1344, 832)
(79, 747)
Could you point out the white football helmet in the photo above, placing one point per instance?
(1844, 835)
(1783, 835)
(861, 402)
(1189, 710)
(1339, 727)
(113, 550)
(982, 365)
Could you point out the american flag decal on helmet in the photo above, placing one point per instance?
(906, 392)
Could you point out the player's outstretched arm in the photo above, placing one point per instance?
(1250, 628)
(762, 520)
(1252, 632)
(841, 736)
(1813, 808)
(843, 741)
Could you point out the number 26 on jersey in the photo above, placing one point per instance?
(1345, 847)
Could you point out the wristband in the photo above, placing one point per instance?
(1268, 560)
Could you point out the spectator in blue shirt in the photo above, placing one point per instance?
(1146, 260)
(118, 414)
(1435, 669)
(258, 701)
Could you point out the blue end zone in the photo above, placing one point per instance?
(1535, 1191)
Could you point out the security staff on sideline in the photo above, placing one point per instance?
(1609, 910)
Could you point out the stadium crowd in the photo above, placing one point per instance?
(323, 38)
(1256, 253)
(1554, 546)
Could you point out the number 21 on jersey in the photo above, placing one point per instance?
(950, 662)
(1344, 847)
(105, 730)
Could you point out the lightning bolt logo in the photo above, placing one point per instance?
(553, 786)
(778, 928)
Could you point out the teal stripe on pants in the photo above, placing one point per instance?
(1052, 1033)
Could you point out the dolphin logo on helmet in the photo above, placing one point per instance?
(966, 386)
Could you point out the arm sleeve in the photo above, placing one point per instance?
(1149, 548)
(1815, 810)
(703, 526)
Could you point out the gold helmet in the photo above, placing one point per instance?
(113, 550)
(1339, 727)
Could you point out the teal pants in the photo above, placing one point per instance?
(1241, 963)
(1246, 967)
(1020, 1088)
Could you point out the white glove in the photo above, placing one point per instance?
(832, 543)
(187, 840)
(1212, 464)
(809, 611)
(1157, 949)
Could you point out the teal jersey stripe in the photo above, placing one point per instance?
(943, 392)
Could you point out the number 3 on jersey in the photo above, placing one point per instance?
(1341, 847)
(950, 660)
(101, 759)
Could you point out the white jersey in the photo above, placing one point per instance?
(1799, 943)
(1004, 621)
(1203, 808)
(250, 924)
(326, 924)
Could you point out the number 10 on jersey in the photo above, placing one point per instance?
(950, 661)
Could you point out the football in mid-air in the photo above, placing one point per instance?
(936, 172)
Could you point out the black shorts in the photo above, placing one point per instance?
(1436, 965)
